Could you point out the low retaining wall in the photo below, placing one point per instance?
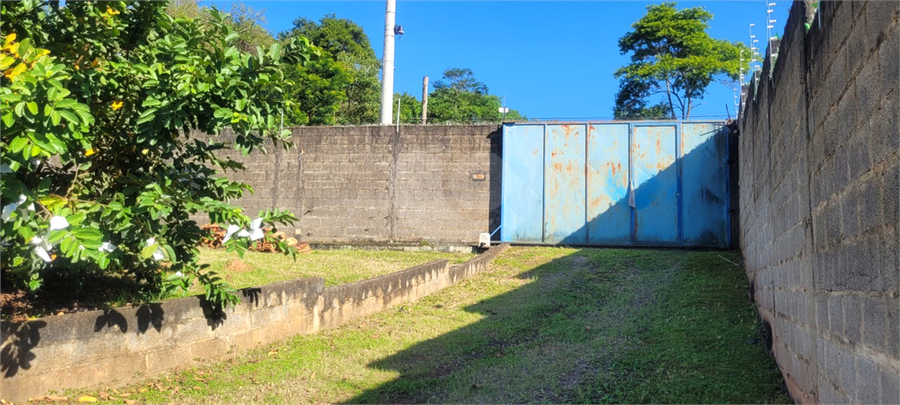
(121, 344)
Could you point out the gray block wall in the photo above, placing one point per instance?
(819, 154)
(373, 184)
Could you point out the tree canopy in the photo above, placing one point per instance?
(461, 98)
(243, 19)
(344, 89)
(673, 60)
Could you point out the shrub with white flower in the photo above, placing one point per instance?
(99, 172)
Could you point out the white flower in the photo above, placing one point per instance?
(31, 207)
(178, 273)
(255, 231)
(107, 247)
(37, 240)
(58, 222)
(42, 253)
(41, 246)
(8, 210)
(231, 230)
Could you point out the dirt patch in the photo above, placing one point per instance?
(238, 266)
(19, 306)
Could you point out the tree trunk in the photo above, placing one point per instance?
(669, 95)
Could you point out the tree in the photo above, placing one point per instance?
(672, 56)
(101, 174)
(410, 108)
(347, 46)
(318, 91)
(460, 98)
(461, 81)
(245, 21)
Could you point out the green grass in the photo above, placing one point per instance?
(543, 325)
(335, 266)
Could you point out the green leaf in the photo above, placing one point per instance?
(148, 251)
(84, 117)
(8, 119)
(18, 143)
(67, 245)
(33, 107)
(88, 234)
(69, 115)
(147, 116)
(66, 103)
(55, 117)
(6, 62)
(224, 113)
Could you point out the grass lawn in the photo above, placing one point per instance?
(543, 325)
(335, 266)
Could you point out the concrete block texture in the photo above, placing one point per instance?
(820, 166)
(333, 176)
(118, 345)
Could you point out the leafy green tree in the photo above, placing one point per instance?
(346, 44)
(460, 98)
(100, 172)
(410, 108)
(318, 91)
(674, 57)
(461, 81)
(244, 20)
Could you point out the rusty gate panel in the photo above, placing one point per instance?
(654, 152)
(522, 184)
(564, 187)
(705, 163)
(608, 212)
(616, 183)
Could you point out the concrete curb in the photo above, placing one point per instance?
(118, 345)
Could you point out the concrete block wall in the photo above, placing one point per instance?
(819, 154)
(115, 346)
(373, 184)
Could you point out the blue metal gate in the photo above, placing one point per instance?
(616, 183)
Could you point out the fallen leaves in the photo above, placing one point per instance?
(87, 399)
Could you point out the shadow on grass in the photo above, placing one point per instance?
(598, 325)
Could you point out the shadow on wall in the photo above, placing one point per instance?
(17, 354)
(496, 175)
(20, 338)
(584, 197)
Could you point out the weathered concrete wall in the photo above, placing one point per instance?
(367, 184)
(117, 345)
(819, 154)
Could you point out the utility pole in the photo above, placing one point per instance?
(424, 100)
(387, 70)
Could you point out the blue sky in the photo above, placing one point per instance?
(550, 59)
